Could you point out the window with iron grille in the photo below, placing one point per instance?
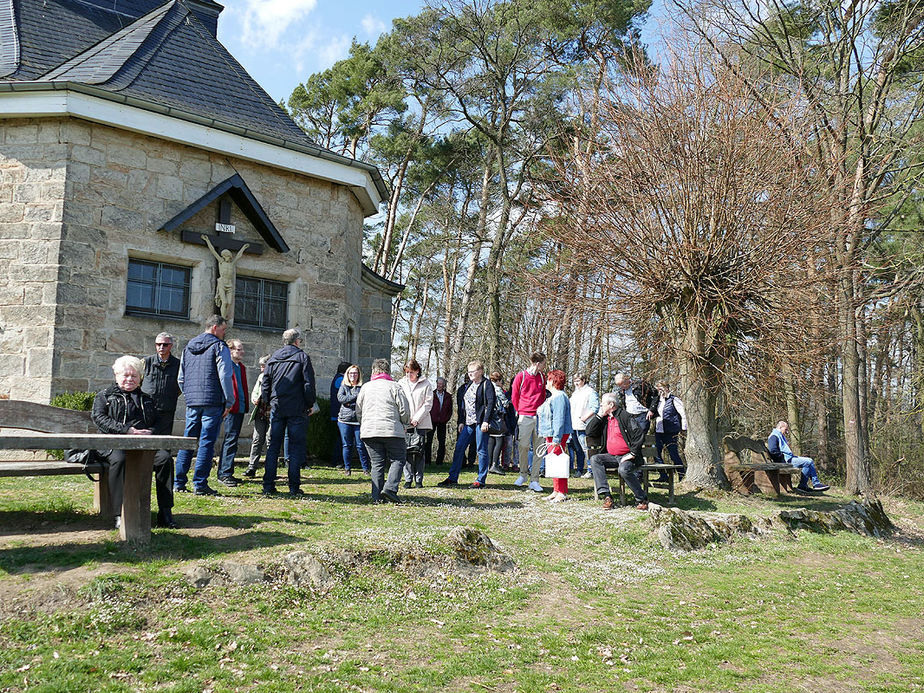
(156, 288)
(260, 302)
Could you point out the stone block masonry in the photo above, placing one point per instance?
(79, 199)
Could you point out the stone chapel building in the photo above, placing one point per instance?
(128, 136)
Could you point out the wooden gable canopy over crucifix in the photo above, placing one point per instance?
(234, 188)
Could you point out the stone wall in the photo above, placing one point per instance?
(33, 160)
(375, 322)
(78, 199)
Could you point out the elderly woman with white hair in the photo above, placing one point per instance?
(123, 408)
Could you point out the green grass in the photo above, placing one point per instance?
(596, 602)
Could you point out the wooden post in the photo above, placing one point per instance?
(136, 499)
(102, 503)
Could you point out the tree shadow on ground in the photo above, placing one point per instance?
(809, 502)
(178, 544)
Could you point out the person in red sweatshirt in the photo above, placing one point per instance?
(527, 394)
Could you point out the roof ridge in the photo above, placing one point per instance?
(9, 38)
(140, 30)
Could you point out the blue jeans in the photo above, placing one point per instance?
(295, 430)
(577, 444)
(809, 473)
(232, 423)
(349, 434)
(458, 457)
(670, 441)
(203, 423)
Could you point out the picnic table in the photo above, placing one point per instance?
(139, 461)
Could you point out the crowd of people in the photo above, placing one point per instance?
(390, 426)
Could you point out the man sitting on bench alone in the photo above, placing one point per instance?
(613, 430)
(781, 453)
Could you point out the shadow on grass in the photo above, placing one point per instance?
(165, 544)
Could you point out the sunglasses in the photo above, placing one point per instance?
(159, 344)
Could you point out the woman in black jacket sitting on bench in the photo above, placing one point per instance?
(123, 408)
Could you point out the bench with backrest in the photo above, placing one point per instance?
(43, 418)
(648, 452)
(42, 427)
(749, 467)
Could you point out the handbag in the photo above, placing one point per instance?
(414, 440)
(84, 457)
(557, 466)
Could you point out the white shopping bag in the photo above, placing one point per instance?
(557, 466)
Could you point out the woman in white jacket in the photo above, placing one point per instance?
(419, 393)
(383, 412)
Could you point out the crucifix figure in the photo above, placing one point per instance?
(224, 284)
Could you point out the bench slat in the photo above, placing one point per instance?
(49, 468)
(43, 417)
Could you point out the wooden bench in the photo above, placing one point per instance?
(47, 428)
(41, 417)
(757, 472)
(648, 451)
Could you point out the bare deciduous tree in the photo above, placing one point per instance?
(700, 220)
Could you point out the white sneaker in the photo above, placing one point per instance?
(587, 475)
(520, 480)
(534, 486)
(560, 498)
(552, 496)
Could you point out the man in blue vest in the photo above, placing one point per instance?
(205, 378)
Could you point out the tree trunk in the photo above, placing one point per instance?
(822, 458)
(858, 472)
(702, 451)
(792, 411)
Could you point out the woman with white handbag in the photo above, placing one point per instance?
(554, 424)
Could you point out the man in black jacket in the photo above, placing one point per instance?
(614, 433)
(161, 371)
(639, 398)
(289, 387)
(476, 403)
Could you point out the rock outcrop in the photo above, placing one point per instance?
(864, 517)
(683, 531)
(475, 549)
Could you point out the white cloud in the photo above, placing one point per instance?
(264, 21)
(373, 26)
(337, 48)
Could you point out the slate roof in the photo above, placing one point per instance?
(148, 49)
(152, 51)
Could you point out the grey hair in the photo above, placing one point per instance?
(291, 336)
(123, 363)
(166, 335)
(264, 359)
(609, 397)
(215, 321)
(381, 366)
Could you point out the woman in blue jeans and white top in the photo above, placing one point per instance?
(346, 419)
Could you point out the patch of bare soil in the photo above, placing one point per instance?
(37, 588)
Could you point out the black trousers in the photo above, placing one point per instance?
(163, 479)
(164, 424)
(440, 430)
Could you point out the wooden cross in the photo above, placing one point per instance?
(222, 241)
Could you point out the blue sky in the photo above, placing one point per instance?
(281, 42)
